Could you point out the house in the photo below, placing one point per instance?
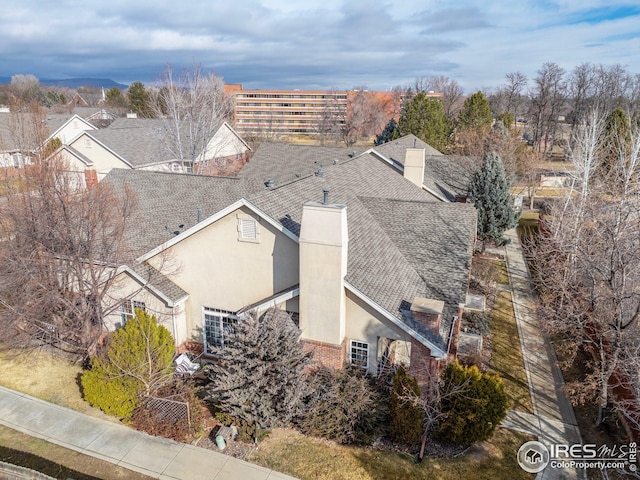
(137, 143)
(22, 135)
(372, 267)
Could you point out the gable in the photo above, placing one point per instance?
(103, 159)
(231, 262)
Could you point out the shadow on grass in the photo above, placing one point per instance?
(42, 465)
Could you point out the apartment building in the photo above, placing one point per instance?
(288, 112)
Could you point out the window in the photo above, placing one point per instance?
(247, 229)
(359, 354)
(217, 323)
(128, 309)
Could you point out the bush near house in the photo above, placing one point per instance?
(473, 404)
(137, 361)
(343, 405)
(404, 409)
(259, 376)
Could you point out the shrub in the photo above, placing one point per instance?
(473, 404)
(247, 432)
(343, 405)
(479, 322)
(405, 411)
(137, 360)
(260, 375)
(155, 422)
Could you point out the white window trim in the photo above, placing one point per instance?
(128, 309)
(220, 316)
(355, 347)
(248, 224)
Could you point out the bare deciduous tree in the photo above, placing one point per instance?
(192, 107)
(452, 92)
(547, 98)
(59, 255)
(589, 268)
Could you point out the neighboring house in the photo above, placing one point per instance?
(373, 268)
(137, 143)
(20, 138)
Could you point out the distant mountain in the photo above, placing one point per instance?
(75, 82)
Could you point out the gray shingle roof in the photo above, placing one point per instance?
(160, 282)
(165, 201)
(402, 243)
(446, 175)
(138, 141)
(284, 163)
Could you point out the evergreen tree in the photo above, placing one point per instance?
(139, 99)
(425, 118)
(476, 113)
(615, 141)
(389, 133)
(259, 377)
(115, 98)
(406, 412)
(137, 361)
(489, 190)
(474, 404)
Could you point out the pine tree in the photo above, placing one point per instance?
(389, 133)
(425, 118)
(260, 374)
(476, 113)
(489, 190)
(474, 404)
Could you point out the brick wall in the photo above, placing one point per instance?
(431, 321)
(424, 367)
(326, 354)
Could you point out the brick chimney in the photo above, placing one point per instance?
(414, 165)
(323, 266)
(428, 313)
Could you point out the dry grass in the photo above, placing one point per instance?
(289, 452)
(45, 376)
(506, 355)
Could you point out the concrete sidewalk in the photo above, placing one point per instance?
(553, 420)
(153, 456)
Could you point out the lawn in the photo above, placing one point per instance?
(506, 355)
(289, 452)
(58, 462)
(46, 377)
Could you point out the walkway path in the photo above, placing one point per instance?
(153, 456)
(553, 420)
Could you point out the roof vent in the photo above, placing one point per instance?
(336, 161)
(325, 197)
(270, 183)
(199, 214)
(414, 142)
(320, 172)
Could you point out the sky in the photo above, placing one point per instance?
(311, 44)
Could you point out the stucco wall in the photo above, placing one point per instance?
(364, 324)
(220, 271)
(103, 160)
(125, 286)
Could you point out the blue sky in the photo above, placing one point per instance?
(312, 44)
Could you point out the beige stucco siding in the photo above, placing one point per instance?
(220, 271)
(103, 160)
(125, 286)
(364, 324)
